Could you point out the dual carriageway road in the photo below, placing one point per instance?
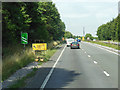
(87, 67)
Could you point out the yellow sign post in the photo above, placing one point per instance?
(83, 38)
(39, 46)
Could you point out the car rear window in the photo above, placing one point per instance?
(74, 42)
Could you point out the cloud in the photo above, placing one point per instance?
(88, 13)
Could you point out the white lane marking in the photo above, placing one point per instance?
(95, 62)
(109, 51)
(51, 71)
(85, 52)
(89, 56)
(106, 73)
(100, 46)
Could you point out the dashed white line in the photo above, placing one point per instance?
(51, 71)
(107, 74)
(95, 62)
(89, 56)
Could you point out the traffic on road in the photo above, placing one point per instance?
(88, 67)
(59, 44)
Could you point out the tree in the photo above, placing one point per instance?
(68, 34)
(88, 35)
(41, 20)
(109, 31)
(14, 20)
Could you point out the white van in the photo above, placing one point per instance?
(69, 41)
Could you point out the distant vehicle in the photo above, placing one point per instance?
(69, 41)
(78, 40)
(75, 45)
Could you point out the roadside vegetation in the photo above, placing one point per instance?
(110, 30)
(12, 63)
(41, 20)
(70, 35)
(22, 82)
(106, 44)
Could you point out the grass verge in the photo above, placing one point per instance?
(46, 56)
(12, 63)
(15, 58)
(105, 44)
(21, 82)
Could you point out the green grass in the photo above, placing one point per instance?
(18, 59)
(21, 83)
(46, 57)
(108, 45)
(11, 63)
(50, 53)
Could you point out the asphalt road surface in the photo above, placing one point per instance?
(87, 67)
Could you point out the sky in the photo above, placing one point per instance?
(89, 14)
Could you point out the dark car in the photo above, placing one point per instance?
(78, 40)
(75, 45)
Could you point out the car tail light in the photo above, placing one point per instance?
(71, 44)
(77, 44)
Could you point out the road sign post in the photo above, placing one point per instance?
(39, 46)
(24, 39)
(83, 38)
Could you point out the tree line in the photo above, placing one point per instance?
(41, 20)
(110, 30)
(70, 35)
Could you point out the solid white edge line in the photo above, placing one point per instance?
(95, 62)
(109, 50)
(48, 76)
(106, 73)
(99, 46)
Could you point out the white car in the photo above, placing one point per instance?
(69, 41)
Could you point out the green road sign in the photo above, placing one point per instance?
(24, 38)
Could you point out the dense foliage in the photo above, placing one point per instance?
(68, 34)
(110, 30)
(41, 20)
(89, 35)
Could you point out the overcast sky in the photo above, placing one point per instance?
(90, 14)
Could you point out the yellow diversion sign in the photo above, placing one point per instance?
(39, 46)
